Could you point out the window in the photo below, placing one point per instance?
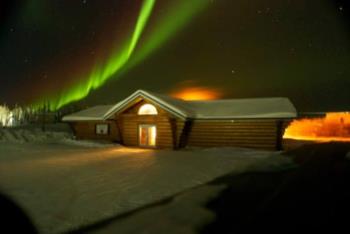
(102, 129)
(147, 109)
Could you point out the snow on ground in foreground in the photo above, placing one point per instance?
(186, 213)
(63, 186)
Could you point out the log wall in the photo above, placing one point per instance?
(260, 134)
(130, 129)
(87, 130)
(169, 128)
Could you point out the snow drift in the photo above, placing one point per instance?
(34, 134)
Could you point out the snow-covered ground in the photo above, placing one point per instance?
(186, 213)
(66, 184)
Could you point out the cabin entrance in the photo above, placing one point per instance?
(147, 135)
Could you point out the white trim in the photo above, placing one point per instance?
(141, 93)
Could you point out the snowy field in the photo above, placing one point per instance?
(69, 184)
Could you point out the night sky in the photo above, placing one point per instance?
(50, 50)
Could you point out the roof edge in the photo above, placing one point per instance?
(168, 107)
(77, 118)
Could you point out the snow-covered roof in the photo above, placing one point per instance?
(277, 107)
(243, 108)
(93, 113)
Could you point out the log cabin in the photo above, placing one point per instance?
(150, 120)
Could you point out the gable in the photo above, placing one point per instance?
(139, 95)
(135, 105)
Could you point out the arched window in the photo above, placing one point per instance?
(147, 109)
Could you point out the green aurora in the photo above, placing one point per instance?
(131, 52)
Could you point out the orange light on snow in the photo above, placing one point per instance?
(332, 127)
(197, 93)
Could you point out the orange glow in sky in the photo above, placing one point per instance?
(197, 93)
(332, 127)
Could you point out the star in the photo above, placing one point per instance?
(341, 8)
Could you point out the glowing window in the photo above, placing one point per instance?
(147, 135)
(147, 109)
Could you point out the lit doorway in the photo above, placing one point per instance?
(147, 135)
